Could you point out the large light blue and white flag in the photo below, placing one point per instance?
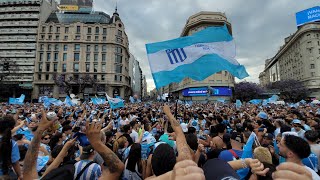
(68, 102)
(98, 101)
(132, 99)
(19, 100)
(115, 102)
(197, 56)
(238, 103)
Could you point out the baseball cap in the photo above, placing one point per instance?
(296, 121)
(263, 115)
(268, 136)
(219, 169)
(184, 127)
(87, 150)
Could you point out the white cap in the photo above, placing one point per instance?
(184, 127)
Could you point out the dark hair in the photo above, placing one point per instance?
(163, 159)
(220, 128)
(126, 128)
(18, 137)
(22, 151)
(134, 157)
(192, 141)
(54, 140)
(227, 140)
(297, 145)
(66, 128)
(285, 128)
(311, 135)
(133, 123)
(6, 125)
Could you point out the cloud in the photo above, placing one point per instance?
(259, 27)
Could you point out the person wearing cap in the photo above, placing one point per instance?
(234, 142)
(267, 140)
(294, 149)
(91, 171)
(297, 127)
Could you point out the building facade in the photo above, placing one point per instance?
(221, 82)
(86, 54)
(298, 59)
(136, 76)
(19, 20)
(144, 87)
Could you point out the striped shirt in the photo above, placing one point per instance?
(92, 172)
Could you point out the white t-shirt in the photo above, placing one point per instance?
(134, 135)
(315, 176)
(124, 121)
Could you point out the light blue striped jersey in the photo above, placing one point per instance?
(93, 172)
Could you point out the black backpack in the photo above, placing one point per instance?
(65, 172)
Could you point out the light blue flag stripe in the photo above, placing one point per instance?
(204, 36)
(199, 70)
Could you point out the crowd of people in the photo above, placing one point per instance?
(160, 141)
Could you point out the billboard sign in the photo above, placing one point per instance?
(68, 7)
(202, 91)
(308, 15)
(75, 5)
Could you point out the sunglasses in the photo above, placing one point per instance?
(46, 138)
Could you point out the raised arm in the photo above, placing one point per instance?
(182, 146)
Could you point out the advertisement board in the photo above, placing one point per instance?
(308, 15)
(79, 3)
(202, 91)
(68, 7)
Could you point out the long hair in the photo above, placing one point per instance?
(7, 123)
(54, 140)
(119, 143)
(134, 157)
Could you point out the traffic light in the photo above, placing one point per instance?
(6, 66)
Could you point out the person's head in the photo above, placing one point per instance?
(32, 125)
(267, 140)
(293, 147)
(56, 139)
(45, 139)
(6, 125)
(127, 129)
(262, 154)
(227, 140)
(296, 125)
(18, 137)
(192, 141)
(221, 128)
(134, 156)
(311, 136)
(134, 124)
(67, 129)
(109, 136)
(87, 152)
(163, 159)
(192, 130)
(120, 143)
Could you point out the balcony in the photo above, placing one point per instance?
(17, 54)
(18, 46)
(18, 16)
(18, 23)
(17, 38)
(20, 9)
(18, 31)
(15, 2)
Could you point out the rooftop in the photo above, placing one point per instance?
(83, 17)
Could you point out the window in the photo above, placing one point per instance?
(66, 30)
(58, 29)
(87, 67)
(313, 74)
(95, 57)
(88, 37)
(49, 37)
(48, 67)
(49, 47)
(96, 48)
(319, 51)
(50, 29)
(89, 30)
(104, 31)
(95, 68)
(64, 57)
(76, 67)
(56, 55)
(78, 29)
(76, 76)
(312, 66)
(55, 67)
(96, 38)
(47, 77)
(40, 67)
(118, 59)
(118, 68)
(41, 57)
(76, 56)
(103, 68)
(48, 56)
(88, 48)
(42, 36)
(56, 47)
(119, 40)
(103, 57)
(97, 30)
(65, 37)
(95, 77)
(104, 38)
(39, 76)
(118, 50)
(103, 77)
(119, 33)
(65, 47)
(43, 29)
(77, 47)
(88, 57)
(41, 47)
(64, 67)
(77, 37)
(118, 78)
(104, 48)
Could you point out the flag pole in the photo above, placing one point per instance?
(176, 110)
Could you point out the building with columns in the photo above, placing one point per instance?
(82, 53)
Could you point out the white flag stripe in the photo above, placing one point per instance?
(159, 61)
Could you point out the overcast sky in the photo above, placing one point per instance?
(259, 26)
